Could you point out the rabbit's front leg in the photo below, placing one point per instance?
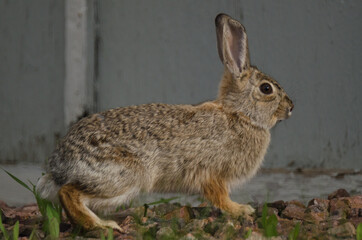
(215, 190)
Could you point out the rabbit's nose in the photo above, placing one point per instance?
(291, 107)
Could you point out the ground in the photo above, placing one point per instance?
(337, 217)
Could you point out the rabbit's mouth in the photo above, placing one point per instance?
(283, 113)
(284, 110)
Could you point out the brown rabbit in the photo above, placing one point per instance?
(108, 158)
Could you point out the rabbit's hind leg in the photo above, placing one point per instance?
(216, 191)
(74, 203)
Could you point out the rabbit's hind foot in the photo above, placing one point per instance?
(74, 203)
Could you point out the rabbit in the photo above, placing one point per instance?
(108, 158)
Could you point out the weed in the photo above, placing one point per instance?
(2, 228)
(16, 230)
(248, 233)
(32, 234)
(295, 232)
(109, 236)
(51, 212)
(269, 223)
(359, 232)
(15, 233)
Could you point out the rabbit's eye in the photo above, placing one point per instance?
(266, 88)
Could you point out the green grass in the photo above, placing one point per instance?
(248, 233)
(359, 232)
(15, 232)
(2, 228)
(269, 223)
(51, 212)
(109, 236)
(293, 235)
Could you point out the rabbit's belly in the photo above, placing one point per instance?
(106, 205)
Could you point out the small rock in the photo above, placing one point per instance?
(296, 203)
(196, 224)
(294, 210)
(144, 220)
(355, 204)
(259, 236)
(355, 201)
(188, 236)
(165, 233)
(316, 211)
(128, 224)
(164, 208)
(212, 227)
(184, 213)
(315, 217)
(280, 205)
(309, 231)
(285, 226)
(344, 230)
(323, 203)
(205, 212)
(227, 231)
(339, 208)
(339, 193)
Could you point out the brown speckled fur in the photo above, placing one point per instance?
(108, 158)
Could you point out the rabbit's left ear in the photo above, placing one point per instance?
(232, 44)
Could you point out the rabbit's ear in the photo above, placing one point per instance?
(232, 44)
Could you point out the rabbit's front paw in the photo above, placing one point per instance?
(243, 210)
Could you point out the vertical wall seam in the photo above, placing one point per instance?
(96, 47)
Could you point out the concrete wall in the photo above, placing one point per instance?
(31, 79)
(165, 51)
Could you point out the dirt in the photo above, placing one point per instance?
(335, 217)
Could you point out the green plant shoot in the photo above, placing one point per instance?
(359, 232)
(2, 228)
(295, 232)
(16, 231)
(269, 223)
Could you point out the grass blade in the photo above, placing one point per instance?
(248, 233)
(16, 231)
(271, 226)
(110, 234)
(295, 232)
(102, 235)
(264, 214)
(359, 232)
(32, 234)
(18, 180)
(53, 222)
(2, 228)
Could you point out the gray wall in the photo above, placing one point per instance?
(31, 79)
(165, 51)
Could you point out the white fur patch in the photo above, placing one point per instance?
(110, 204)
(47, 189)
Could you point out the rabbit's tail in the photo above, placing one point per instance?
(47, 188)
